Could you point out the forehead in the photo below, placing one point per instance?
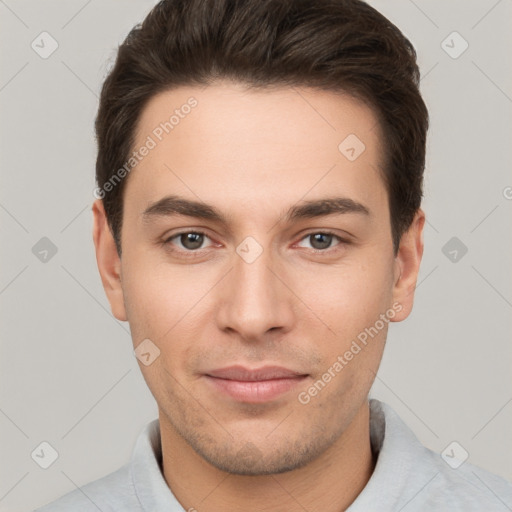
(258, 147)
(234, 108)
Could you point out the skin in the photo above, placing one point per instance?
(252, 155)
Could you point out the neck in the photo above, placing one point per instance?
(329, 483)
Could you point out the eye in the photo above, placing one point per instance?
(188, 240)
(322, 240)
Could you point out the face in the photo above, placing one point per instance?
(256, 234)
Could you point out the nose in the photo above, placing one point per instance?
(256, 299)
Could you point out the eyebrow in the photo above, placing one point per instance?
(175, 205)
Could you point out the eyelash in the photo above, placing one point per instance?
(192, 253)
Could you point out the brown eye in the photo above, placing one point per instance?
(191, 240)
(321, 241)
(188, 240)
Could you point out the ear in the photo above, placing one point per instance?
(109, 262)
(407, 266)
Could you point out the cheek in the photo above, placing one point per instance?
(149, 304)
(162, 304)
(350, 301)
(161, 299)
(348, 298)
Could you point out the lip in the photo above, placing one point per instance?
(254, 385)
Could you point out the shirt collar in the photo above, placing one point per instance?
(399, 456)
(397, 448)
(146, 471)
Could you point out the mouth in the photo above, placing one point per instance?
(254, 385)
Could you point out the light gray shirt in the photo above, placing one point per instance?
(408, 477)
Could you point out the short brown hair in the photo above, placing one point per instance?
(333, 45)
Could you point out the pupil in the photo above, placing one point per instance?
(317, 237)
(195, 240)
(192, 240)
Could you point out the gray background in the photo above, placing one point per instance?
(67, 370)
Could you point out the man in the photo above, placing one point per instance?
(258, 224)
